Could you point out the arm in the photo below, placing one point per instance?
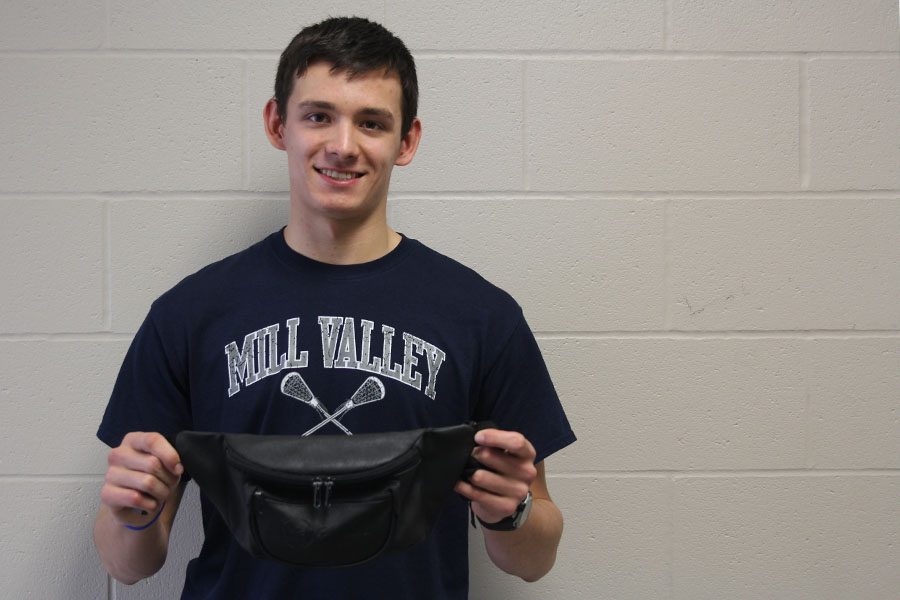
(530, 551)
(144, 472)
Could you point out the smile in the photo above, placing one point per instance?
(339, 175)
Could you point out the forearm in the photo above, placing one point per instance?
(127, 555)
(530, 551)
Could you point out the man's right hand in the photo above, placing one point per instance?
(143, 471)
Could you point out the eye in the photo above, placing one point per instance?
(375, 125)
(317, 117)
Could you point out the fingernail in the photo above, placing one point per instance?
(179, 469)
(479, 438)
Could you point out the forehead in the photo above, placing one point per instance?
(376, 89)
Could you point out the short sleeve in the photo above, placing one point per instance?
(517, 394)
(151, 391)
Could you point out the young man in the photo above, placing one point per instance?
(338, 297)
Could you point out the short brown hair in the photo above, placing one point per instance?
(353, 45)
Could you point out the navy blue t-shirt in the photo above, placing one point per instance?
(447, 346)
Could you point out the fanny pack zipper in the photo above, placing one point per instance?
(318, 484)
(322, 485)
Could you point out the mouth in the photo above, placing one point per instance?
(339, 175)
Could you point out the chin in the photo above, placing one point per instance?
(339, 206)
(346, 204)
(345, 212)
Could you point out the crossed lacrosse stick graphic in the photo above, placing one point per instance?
(371, 390)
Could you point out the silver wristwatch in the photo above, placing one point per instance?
(515, 520)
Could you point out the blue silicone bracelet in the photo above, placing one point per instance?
(152, 521)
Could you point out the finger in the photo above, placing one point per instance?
(157, 445)
(135, 460)
(506, 464)
(487, 506)
(129, 507)
(512, 441)
(473, 493)
(144, 483)
(121, 499)
(499, 485)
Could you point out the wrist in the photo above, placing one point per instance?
(148, 524)
(513, 521)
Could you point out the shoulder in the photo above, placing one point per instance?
(459, 282)
(212, 282)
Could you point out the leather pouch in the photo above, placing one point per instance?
(332, 500)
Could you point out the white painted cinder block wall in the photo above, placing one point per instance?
(697, 202)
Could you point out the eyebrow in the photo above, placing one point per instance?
(369, 111)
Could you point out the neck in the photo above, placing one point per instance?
(339, 242)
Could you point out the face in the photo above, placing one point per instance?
(342, 138)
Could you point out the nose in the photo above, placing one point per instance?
(342, 143)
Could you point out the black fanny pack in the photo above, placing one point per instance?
(333, 500)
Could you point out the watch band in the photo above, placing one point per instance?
(515, 520)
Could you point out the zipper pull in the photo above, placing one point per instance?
(317, 489)
(329, 483)
(257, 496)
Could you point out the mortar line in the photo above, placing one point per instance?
(96, 336)
(51, 478)
(601, 194)
(466, 54)
(119, 336)
(752, 473)
(729, 473)
(637, 55)
(114, 196)
(719, 334)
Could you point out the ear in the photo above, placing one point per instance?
(409, 143)
(274, 126)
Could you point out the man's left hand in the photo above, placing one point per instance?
(498, 489)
